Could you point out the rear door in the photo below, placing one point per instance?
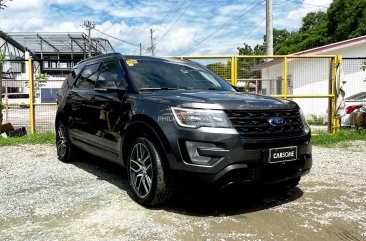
(108, 105)
(80, 96)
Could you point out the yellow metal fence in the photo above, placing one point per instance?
(308, 80)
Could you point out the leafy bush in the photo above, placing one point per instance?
(315, 120)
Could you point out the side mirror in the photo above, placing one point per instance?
(107, 86)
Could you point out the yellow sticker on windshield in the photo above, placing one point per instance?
(131, 62)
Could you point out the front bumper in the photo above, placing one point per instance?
(244, 161)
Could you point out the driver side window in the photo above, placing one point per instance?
(111, 71)
(88, 77)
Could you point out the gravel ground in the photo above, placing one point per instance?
(44, 199)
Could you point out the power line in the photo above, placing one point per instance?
(171, 16)
(172, 26)
(320, 6)
(248, 34)
(282, 3)
(124, 41)
(169, 12)
(242, 13)
(176, 11)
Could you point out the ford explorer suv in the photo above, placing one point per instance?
(175, 125)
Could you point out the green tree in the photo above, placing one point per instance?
(346, 19)
(343, 20)
(312, 33)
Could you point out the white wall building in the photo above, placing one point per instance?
(311, 76)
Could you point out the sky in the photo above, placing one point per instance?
(180, 27)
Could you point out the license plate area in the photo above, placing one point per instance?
(282, 154)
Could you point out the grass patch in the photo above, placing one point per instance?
(319, 138)
(38, 138)
(324, 139)
(315, 120)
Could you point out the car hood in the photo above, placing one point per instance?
(217, 100)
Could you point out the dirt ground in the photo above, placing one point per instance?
(44, 199)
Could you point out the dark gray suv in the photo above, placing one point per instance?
(176, 125)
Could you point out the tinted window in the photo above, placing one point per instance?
(170, 74)
(111, 71)
(88, 76)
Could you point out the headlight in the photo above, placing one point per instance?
(195, 118)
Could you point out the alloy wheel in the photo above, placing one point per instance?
(140, 169)
(62, 140)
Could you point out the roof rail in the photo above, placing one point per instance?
(99, 56)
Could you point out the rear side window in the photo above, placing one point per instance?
(111, 71)
(88, 77)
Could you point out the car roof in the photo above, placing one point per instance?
(97, 58)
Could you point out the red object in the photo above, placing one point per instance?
(352, 108)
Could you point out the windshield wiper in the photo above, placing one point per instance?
(158, 88)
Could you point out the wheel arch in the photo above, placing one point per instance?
(143, 124)
(62, 114)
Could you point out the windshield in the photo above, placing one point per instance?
(158, 74)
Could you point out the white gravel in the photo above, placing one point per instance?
(44, 199)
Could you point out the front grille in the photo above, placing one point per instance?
(254, 123)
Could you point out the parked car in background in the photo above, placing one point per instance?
(18, 99)
(174, 124)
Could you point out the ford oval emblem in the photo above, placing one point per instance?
(277, 121)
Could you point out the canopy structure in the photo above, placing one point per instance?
(61, 46)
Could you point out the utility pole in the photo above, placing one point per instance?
(140, 49)
(152, 43)
(269, 28)
(89, 26)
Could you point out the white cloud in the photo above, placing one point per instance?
(19, 5)
(176, 41)
(132, 20)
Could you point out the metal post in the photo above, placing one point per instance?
(285, 77)
(336, 120)
(6, 102)
(232, 70)
(89, 26)
(236, 70)
(31, 97)
(140, 49)
(89, 29)
(269, 28)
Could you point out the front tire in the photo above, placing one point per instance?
(146, 173)
(66, 151)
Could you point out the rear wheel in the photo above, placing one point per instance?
(66, 151)
(146, 174)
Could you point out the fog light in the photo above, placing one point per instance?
(192, 149)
